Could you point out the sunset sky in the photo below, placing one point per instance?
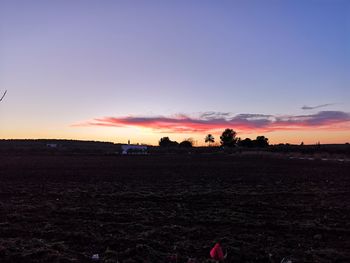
(141, 70)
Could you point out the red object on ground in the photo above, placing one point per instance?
(216, 252)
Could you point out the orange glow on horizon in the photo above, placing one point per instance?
(146, 136)
(324, 128)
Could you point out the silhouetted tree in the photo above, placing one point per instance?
(186, 143)
(209, 139)
(228, 138)
(247, 142)
(166, 142)
(261, 142)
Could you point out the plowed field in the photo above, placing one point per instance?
(148, 208)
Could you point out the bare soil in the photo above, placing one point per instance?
(60, 208)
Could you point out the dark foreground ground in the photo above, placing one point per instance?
(137, 208)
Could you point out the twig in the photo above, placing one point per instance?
(3, 95)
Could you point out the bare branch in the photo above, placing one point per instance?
(3, 95)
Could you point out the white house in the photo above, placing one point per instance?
(134, 149)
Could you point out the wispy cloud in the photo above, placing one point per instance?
(316, 107)
(323, 119)
(212, 121)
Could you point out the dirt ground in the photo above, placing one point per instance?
(149, 208)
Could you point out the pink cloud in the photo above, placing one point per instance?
(212, 121)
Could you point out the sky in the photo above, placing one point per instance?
(141, 70)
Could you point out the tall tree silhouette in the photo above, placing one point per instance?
(228, 138)
(209, 139)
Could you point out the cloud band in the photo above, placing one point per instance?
(212, 121)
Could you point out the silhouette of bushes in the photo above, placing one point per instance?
(166, 142)
(259, 142)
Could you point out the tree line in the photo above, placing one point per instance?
(228, 138)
